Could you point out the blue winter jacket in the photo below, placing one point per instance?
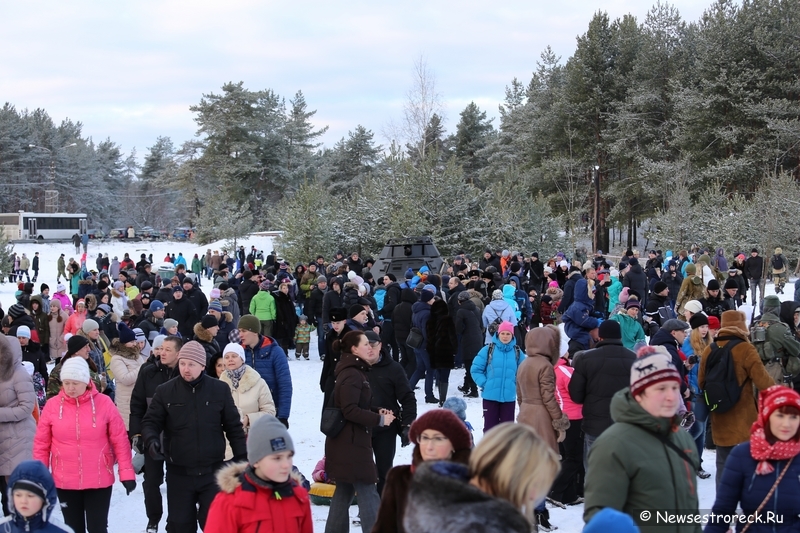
(269, 360)
(510, 296)
(741, 485)
(421, 313)
(33, 472)
(498, 378)
(578, 319)
(497, 309)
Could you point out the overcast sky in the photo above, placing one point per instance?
(130, 71)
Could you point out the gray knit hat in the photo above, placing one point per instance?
(267, 436)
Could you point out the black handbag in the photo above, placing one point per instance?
(415, 338)
(333, 421)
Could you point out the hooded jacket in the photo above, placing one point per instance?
(262, 306)
(636, 280)
(569, 291)
(442, 343)
(43, 522)
(207, 341)
(497, 378)
(185, 313)
(247, 504)
(536, 383)
(80, 439)
(17, 400)
(401, 317)
(631, 469)
(441, 500)
(468, 329)
(497, 309)
(578, 320)
(632, 331)
(125, 364)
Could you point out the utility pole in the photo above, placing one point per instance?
(51, 193)
(596, 234)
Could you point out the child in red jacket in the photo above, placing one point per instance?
(263, 494)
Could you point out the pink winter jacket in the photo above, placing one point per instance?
(66, 302)
(574, 411)
(80, 439)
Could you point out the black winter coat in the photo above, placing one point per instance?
(348, 456)
(314, 305)
(199, 300)
(327, 377)
(247, 290)
(402, 314)
(673, 283)
(391, 300)
(349, 295)
(34, 355)
(391, 390)
(164, 295)
(207, 341)
(442, 343)
(598, 375)
(452, 299)
(285, 317)
(569, 291)
(329, 301)
(185, 313)
(150, 325)
(196, 419)
(636, 280)
(468, 329)
(753, 267)
(151, 375)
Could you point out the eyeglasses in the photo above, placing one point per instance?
(435, 440)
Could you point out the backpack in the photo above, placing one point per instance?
(494, 324)
(517, 353)
(777, 366)
(777, 262)
(722, 389)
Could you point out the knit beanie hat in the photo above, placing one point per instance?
(126, 334)
(76, 369)
(209, 321)
(633, 303)
(609, 330)
(713, 322)
(445, 422)
(463, 296)
(157, 305)
(29, 485)
(16, 311)
(609, 519)
(426, 296)
(693, 306)
(761, 449)
(89, 325)
(659, 286)
(730, 283)
(506, 326)
(497, 294)
(24, 331)
(652, 366)
(170, 323)
(76, 343)
(158, 341)
(193, 351)
(232, 347)
(214, 306)
(700, 319)
(713, 285)
(214, 294)
(250, 323)
(267, 436)
(355, 310)
(458, 406)
(624, 294)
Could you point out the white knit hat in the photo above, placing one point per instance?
(76, 369)
(235, 348)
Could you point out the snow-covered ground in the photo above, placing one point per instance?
(127, 512)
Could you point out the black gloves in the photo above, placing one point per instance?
(285, 422)
(404, 441)
(155, 451)
(137, 444)
(129, 485)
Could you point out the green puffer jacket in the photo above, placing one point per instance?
(263, 306)
(631, 470)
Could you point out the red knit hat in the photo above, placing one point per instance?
(773, 399)
(765, 451)
(445, 422)
(713, 322)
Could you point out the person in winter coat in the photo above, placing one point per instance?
(20, 317)
(17, 402)
(160, 368)
(569, 289)
(470, 339)
(421, 313)
(538, 406)
(32, 353)
(262, 305)
(77, 346)
(32, 500)
(568, 486)
(628, 320)
(438, 435)
(442, 345)
(80, 436)
(645, 444)
(673, 279)
(76, 319)
(733, 426)
(760, 474)
(349, 458)
(598, 375)
(267, 358)
(247, 291)
(40, 317)
(57, 321)
(579, 320)
(182, 310)
(695, 343)
(509, 472)
(401, 319)
(62, 296)
(152, 321)
(636, 279)
(192, 405)
(285, 318)
(500, 309)
(262, 494)
(332, 298)
(205, 333)
(754, 272)
(494, 370)
(692, 288)
(126, 361)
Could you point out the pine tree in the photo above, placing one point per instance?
(473, 133)
(6, 249)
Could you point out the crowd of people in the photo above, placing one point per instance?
(602, 381)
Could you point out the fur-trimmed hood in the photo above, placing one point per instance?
(226, 316)
(202, 334)
(229, 478)
(127, 352)
(10, 356)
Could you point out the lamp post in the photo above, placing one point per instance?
(51, 194)
(596, 223)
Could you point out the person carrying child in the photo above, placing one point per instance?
(262, 494)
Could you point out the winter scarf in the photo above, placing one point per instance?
(236, 375)
(761, 449)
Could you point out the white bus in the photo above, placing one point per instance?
(26, 225)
